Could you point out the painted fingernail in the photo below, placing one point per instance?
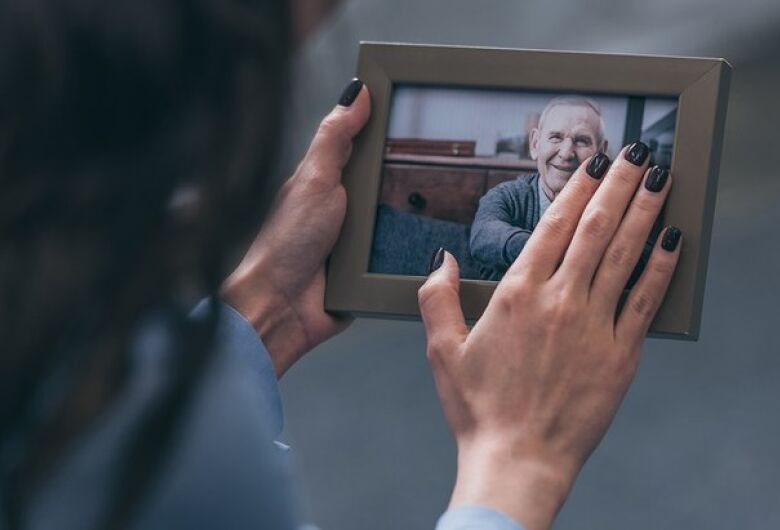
(351, 92)
(437, 258)
(637, 153)
(656, 179)
(671, 238)
(597, 166)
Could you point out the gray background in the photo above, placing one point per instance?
(697, 441)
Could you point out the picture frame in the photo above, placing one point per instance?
(699, 85)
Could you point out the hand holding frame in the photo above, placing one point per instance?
(280, 284)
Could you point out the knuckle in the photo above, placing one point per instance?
(431, 290)
(663, 267)
(646, 203)
(435, 350)
(564, 310)
(512, 290)
(340, 196)
(314, 181)
(596, 223)
(642, 304)
(504, 300)
(334, 131)
(557, 223)
(329, 125)
(617, 256)
(559, 308)
(425, 293)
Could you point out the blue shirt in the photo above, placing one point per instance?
(224, 470)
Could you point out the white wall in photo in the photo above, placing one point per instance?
(483, 115)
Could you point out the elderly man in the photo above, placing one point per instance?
(570, 130)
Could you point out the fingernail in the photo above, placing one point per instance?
(597, 166)
(671, 238)
(656, 179)
(437, 258)
(351, 92)
(637, 153)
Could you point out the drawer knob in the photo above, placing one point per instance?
(417, 200)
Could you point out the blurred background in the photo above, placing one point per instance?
(696, 443)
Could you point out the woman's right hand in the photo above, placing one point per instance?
(530, 391)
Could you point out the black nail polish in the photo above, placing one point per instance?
(671, 238)
(436, 260)
(597, 166)
(351, 92)
(656, 179)
(637, 153)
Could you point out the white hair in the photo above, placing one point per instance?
(575, 101)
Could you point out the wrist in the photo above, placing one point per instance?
(273, 319)
(527, 486)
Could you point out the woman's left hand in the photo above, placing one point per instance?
(279, 286)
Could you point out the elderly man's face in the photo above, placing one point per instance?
(568, 135)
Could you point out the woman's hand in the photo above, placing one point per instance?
(530, 391)
(280, 284)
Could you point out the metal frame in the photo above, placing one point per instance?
(700, 84)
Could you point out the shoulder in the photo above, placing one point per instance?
(518, 186)
(223, 449)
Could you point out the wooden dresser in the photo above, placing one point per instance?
(443, 186)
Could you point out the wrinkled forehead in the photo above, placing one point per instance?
(571, 116)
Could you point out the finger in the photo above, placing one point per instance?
(603, 214)
(626, 247)
(331, 146)
(645, 298)
(545, 248)
(445, 325)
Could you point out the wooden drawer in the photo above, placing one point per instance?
(416, 146)
(447, 193)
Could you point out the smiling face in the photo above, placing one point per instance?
(567, 135)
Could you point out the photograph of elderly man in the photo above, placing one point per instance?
(474, 170)
(570, 130)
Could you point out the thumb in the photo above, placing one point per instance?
(331, 147)
(445, 325)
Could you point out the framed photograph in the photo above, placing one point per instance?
(458, 153)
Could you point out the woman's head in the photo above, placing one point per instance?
(135, 137)
(110, 109)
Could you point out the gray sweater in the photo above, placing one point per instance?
(506, 216)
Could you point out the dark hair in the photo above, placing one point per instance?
(113, 117)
